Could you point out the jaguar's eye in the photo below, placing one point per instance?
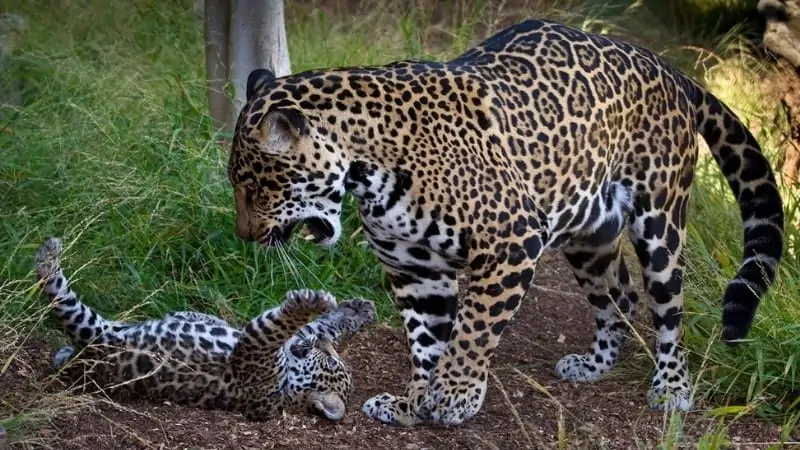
(250, 193)
(332, 362)
(251, 189)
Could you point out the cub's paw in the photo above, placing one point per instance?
(308, 300)
(356, 313)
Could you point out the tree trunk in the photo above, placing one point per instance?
(241, 35)
(790, 164)
(782, 37)
(216, 29)
(782, 33)
(12, 29)
(257, 40)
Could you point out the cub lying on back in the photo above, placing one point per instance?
(282, 359)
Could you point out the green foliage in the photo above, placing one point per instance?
(705, 18)
(764, 369)
(688, 20)
(113, 151)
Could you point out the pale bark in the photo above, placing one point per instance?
(241, 35)
(217, 19)
(782, 34)
(257, 40)
(12, 29)
(782, 37)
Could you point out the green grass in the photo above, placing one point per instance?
(112, 150)
(703, 19)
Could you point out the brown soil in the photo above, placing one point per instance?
(526, 407)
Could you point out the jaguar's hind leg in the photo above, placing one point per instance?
(603, 275)
(659, 236)
(600, 269)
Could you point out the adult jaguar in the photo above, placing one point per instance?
(283, 359)
(540, 137)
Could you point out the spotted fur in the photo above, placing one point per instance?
(540, 137)
(283, 359)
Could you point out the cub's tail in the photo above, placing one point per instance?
(753, 184)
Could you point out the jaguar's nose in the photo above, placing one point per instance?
(243, 231)
(242, 216)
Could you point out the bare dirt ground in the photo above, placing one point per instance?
(517, 414)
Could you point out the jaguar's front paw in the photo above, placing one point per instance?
(391, 410)
(453, 403)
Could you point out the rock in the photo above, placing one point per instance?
(782, 38)
(782, 33)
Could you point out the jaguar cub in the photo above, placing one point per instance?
(284, 359)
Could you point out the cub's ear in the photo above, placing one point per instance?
(257, 79)
(280, 129)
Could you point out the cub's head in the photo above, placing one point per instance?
(284, 168)
(317, 378)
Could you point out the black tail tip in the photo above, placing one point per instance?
(732, 333)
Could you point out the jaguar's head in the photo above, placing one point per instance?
(284, 168)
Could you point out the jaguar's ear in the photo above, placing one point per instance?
(257, 79)
(280, 129)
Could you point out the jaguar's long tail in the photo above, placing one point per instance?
(82, 324)
(752, 181)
